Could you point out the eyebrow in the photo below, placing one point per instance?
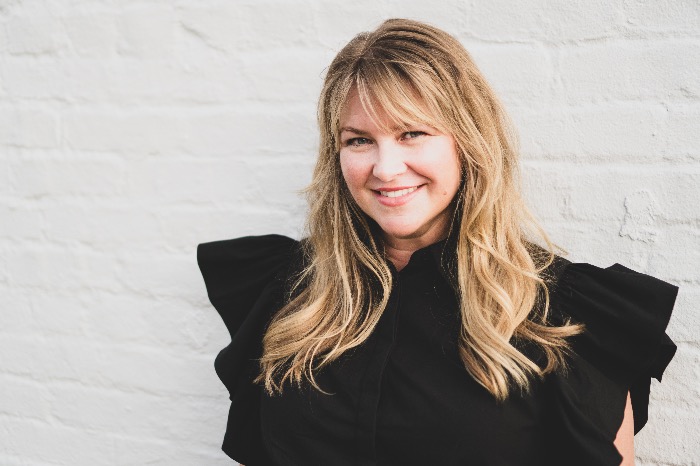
(354, 130)
(365, 133)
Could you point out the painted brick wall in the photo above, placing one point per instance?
(132, 130)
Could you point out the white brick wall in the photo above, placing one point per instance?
(132, 130)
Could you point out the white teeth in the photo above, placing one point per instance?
(399, 193)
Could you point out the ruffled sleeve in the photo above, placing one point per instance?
(624, 345)
(245, 280)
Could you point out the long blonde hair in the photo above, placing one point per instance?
(416, 72)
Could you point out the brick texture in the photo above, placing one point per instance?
(130, 131)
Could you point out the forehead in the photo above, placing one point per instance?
(357, 114)
(370, 111)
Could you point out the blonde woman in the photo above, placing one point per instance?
(419, 323)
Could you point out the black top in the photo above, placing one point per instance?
(404, 397)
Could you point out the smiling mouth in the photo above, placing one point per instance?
(399, 193)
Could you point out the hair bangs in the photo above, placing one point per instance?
(390, 95)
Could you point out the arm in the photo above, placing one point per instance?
(625, 436)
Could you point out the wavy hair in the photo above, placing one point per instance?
(418, 73)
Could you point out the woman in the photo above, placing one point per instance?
(418, 323)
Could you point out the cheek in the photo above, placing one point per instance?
(444, 167)
(354, 172)
(452, 167)
(456, 178)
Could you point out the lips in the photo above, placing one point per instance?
(397, 193)
(394, 197)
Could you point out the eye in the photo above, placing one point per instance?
(412, 134)
(356, 142)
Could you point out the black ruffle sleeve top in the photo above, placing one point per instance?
(404, 397)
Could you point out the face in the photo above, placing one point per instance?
(404, 180)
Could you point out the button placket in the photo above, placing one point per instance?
(372, 385)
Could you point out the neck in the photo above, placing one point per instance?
(400, 250)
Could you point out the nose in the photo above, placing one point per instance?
(389, 162)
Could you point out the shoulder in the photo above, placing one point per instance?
(609, 299)
(625, 314)
(238, 272)
(264, 253)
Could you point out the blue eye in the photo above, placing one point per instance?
(412, 134)
(357, 142)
